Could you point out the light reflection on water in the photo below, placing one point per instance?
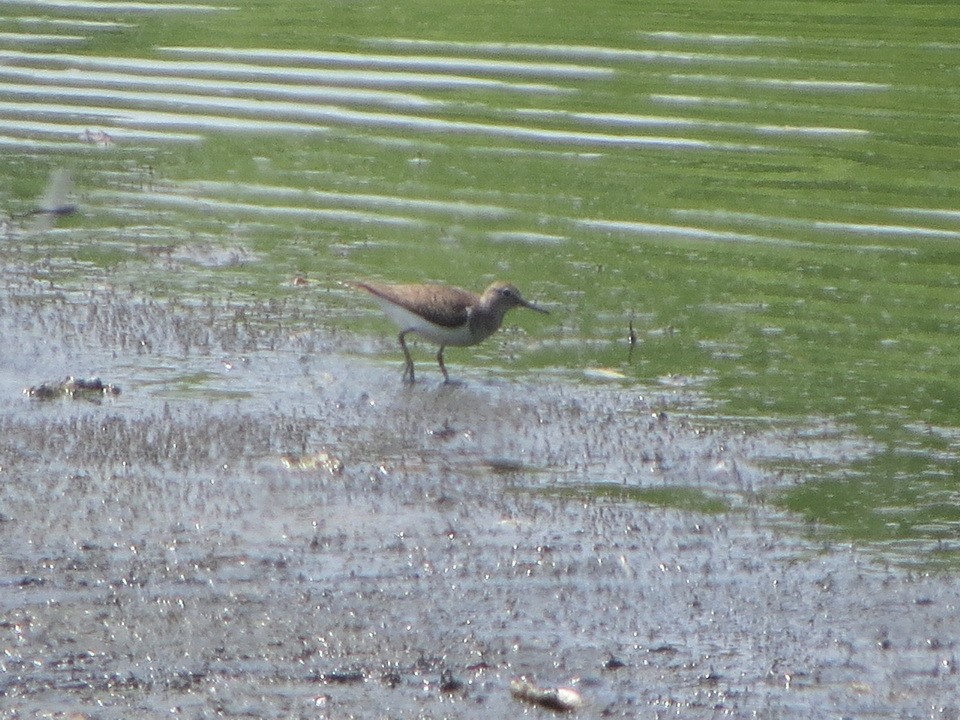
(785, 173)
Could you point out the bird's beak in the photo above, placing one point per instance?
(539, 309)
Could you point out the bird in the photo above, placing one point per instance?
(444, 314)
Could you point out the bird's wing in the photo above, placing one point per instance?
(432, 303)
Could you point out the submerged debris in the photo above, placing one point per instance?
(449, 683)
(343, 677)
(504, 466)
(560, 699)
(96, 137)
(614, 663)
(602, 373)
(320, 460)
(90, 388)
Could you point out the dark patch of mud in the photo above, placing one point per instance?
(162, 556)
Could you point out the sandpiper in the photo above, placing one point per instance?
(445, 315)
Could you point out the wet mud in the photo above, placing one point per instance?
(268, 523)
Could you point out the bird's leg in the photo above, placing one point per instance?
(443, 369)
(408, 370)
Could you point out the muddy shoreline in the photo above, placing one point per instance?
(267, 523)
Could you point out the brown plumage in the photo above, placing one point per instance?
(445, 315)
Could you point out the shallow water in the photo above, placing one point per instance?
(748, 501)
(293, 532)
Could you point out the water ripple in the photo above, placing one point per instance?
(246, 71)
(61, 83)
(582, 52)
(112, 6)
(401, 62)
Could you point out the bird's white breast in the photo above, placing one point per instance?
(410, 321)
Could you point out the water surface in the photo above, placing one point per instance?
(766, 194)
